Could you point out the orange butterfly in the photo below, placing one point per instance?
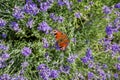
(61, 39)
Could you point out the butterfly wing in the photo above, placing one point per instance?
(57, 35)
(63, 44)
(61, 39)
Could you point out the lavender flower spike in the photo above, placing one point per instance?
(26, 51)
(2, 23)
(43, 26)
(18, 13)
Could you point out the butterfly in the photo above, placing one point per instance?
(61, 39)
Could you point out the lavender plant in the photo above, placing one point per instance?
(28, 50)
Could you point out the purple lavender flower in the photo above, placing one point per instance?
(118, 58)
(117, 13)
(45, 6)
(18, 13)
(31, 8)
(5, 56)
(90, 75)
(117, 5)
(109, 30)
(3, 47)
(26, 51)
(68, 4)
(42, 67)
(116, 24)
(115, 48)
(2, 23)
(28, 1)
(45, 43)
(102, 73)
(4, 35)
(22, 71)
(106, 41)
(2, 64)
(91, 64)
(65, 2)
(15, 26)
(30, 23)
(105, 66)
(79, 0)
(65, 69)
(91, 2)
(43, 26)
(116, 76)
(39, 0)
(89, 54)
(118, 66)
(106, 10)
(72, 58)
(84, 60)
(78, 14)
(107, 44)
(45, 73)
(5, 77)
(98, 66)
(60, 2)
(54, 74)
(117, 20)
(57, 46)
(24, 64)
(53, 17)
(60, 19)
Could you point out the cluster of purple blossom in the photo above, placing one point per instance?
(3, 56)
(26, 51)
(112, 29)
(43, 26)
(98, 68)
(47, 73)
(45, 43)
(55, 18)
(66, 3)
(88, 56)
(2, 23)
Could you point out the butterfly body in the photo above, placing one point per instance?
(61, 39)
